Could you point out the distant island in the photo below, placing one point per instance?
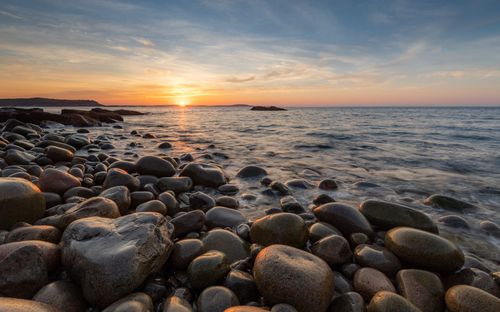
(267, 108)
(44, 102)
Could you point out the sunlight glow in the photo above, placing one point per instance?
(182, 102)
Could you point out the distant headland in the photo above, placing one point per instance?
(45, 102)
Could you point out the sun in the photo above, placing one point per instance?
(183, 102)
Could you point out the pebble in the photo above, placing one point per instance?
(156, 166)
(204, 174)
(464, 298)
(226, 242)
(422, 288)
(224, 217)
(176, 304)
(216, 299)
(377, 257)
(191, 221)
(333, 249)
(227, 201)
(448, 203)
(367, 282)
(201, 201)
(56, 181)
(243, 285)
(116, 177)
(251, 172)
(135, 302)
(208, 269)
(345, 218)
(320, 230)
(22, 305)
(385, 301)
(63, 295)
(280, 228)
(348, 302)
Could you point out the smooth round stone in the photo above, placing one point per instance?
(77, 141)
(118, 176)
(321, 230)
(463, 298)
(227, 201)
(216, 299)
(22, 305)
(127, 166)
(203, 174)
(152, 206)
(45, 233)
(328, 184)
(385, 301)
(63, 295)
(243, 285)
(422, 288)
(185, 251)
(424, 250)
(201, 201)
(298, 183)
(348, 302)
(79, 191)
(16, 157)
(228, 189)
(345, 218)
(245, 309)
(283, 307)
(120, 195)
(226, 242)
(155, 166)
(140, 197)
(191, 221)
(322, 199)
(175, 184)
(333, 249)
(164, 145)
(20, 200)
(387, 215)
(490, 228)
(251, 172)
(136, 302)
(473, 262)
(367, 282)
(475, 278)
(285, 274)
(448, 203)
(349, 269)
(356, 239)
(290, 204)
(208, 269)
(224, 217)
(176, 304)
(280, 228)
(342, 284)
(170, 202)
(58, 154)
(377, 257)
(454, 221)
(56, 181)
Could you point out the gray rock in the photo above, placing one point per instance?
(348, 302)
(120, 195)
(175, 184)
(152, 206)
(58, 154)
(216, 299)
(156, 166)
(224, 217)
(45, 233)
(377, 257)
(176, 304)
(243, 285)
(203, 174)
(345, 218)
(191, 221)
(208, 269)
(320, 230)
(227, 242)
(185, 251)
(280, 228)
(251, 172)
(201, 201)
(448, 203)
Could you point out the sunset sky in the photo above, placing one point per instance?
(256, 52)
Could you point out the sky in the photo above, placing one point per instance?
(273, 52)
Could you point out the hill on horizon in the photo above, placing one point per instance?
(46, 102)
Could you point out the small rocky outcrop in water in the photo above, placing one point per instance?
(267, 108)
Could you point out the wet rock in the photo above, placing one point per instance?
(424, 250)
(185, 251)
(328, 184)
(115, 254)
(246, 308)
(422, 288)
(127, 166)
(251, 172)
(56, 181)
(290, 204)
(321, 230)
(333, 249)
(176, 304)
(170, 202)
(284, 274)
(45, 233)
(227, 242)
(16, 157)
(22, 305)
(348, 302)
(322, 199)
(63, 295)
(58, 154)
(203, 174)
(191, 221)
(243, 285)
(116, 177)
(224, 217)
(345, 218)
(201, 201)
(216, 299)
(454, 221)
(20, 200)
(448, 203)
(164, 145)
(152, 206)
(490, 228)
(377, 257)
(385, 301)
(175, 184)
(208, 269)
(136, 302)
(475, 278)
(463, 298)
(227, 201)
(120, 195)
(228, 189)
(280, 228)
(155, 166)
(280, 188)
(367, 282)
(387, 215)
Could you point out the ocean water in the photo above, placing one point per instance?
(405, 154)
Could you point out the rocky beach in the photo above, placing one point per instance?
(119, 210)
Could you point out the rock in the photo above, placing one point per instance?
(51, 253)
(422, 288)
(63, 295)
(58, 154)
(280, 228)
(321, 230)
(448, 203)
(21, 305)
(170, 202)
(15, 157)
(117, 177)
(216, 299)
(175, 184)
(367, 282)
(385, 301)
(226, 242)
(115, 254)
(176, 304)
(267, 108)
(322, 199)
(201, 201)
(77, 140)
(185, 251)
(424, 250)
(227, 201)
(280, 187)
(192, 221)
(136, 302)
(490, 228)
(45, 233)
(208, 269)
(243, 285)
(454, 221)
(290, 204)
(152, 206)
(245, 309)
(333, 249)
(377, 257)
(463, 298)
(203, 174)
(56, 181)
(164, 145)
(224, 217)
(475, 278)
(251, 172)
(387, 215)
(127, 166)
(92, 207)
(284, 274)
(348, 302)
(156, 166)
(228, 189)
(120, 195)
(345, 218)
(328, 184)
(283, 307)
(20, 200)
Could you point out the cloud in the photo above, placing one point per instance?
(239, 80)
(11, 15)
(144, 41)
